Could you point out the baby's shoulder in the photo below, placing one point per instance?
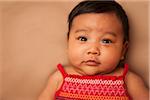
(132, 76)
(136, 86)
(133, 79)
(52, 86)
(55, 79)
(56, 76)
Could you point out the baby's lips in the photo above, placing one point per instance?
(92, 62)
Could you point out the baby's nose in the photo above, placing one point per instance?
(94, 50)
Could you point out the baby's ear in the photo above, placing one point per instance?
(124, 49)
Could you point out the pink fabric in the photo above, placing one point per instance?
(97, 87)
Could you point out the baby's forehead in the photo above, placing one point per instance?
(99, 13)
(98, 21)
(97, 17)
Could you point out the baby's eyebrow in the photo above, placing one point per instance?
(105, 33)
(111, 33)
(80, 30)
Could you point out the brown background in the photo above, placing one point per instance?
(33, 41)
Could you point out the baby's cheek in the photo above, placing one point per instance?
(74, 53)
(83, 49)
(112, 57)
(78, 52)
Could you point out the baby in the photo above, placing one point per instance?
(98, 38)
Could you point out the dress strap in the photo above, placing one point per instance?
(125, 69)
(61, 69)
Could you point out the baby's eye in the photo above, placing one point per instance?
(106, 41)
(82, 38)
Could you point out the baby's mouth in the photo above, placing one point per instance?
(92, 63)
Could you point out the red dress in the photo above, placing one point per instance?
(99, 87)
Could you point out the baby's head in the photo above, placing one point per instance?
(97, 36)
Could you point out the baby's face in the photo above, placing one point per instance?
(95, 44)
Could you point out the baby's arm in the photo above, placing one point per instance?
(136, 87)
(52, 86)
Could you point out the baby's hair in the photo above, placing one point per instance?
(100, 6)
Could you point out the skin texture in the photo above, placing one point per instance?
(96, 46)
